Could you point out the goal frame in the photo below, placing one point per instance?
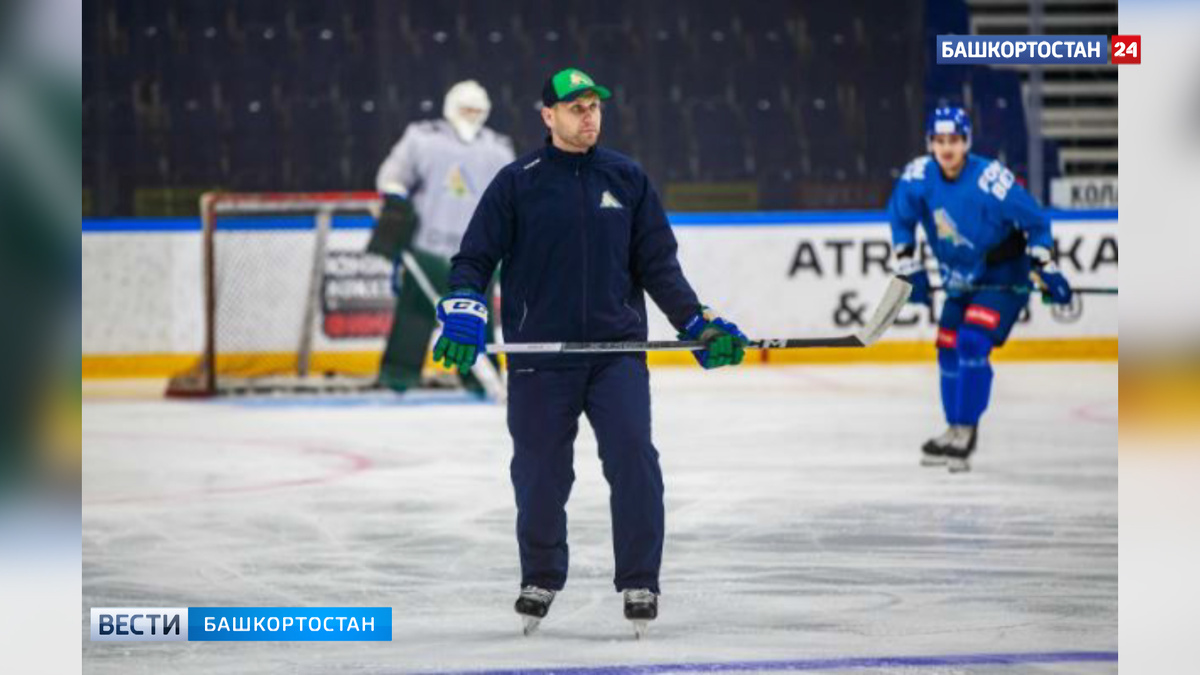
(202, 379)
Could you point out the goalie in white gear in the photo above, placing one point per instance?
(431, 182)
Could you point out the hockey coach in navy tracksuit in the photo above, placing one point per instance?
(581, 234)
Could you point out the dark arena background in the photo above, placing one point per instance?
(770, 104)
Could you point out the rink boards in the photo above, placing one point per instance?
(776, 274)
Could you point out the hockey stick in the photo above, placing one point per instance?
(1081, 290)
(482, 368)
(885, 314)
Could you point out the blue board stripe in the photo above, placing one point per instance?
(341, 222)
(776, 217)
(141, 224)
(730, 219)
(726, 219)
(796, 665)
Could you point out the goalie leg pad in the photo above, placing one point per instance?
(413, 322)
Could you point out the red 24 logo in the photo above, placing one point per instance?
(1126, 49)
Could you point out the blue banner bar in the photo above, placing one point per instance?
(343, 221)
(305, 624)
(678, 219)
(1021, 49)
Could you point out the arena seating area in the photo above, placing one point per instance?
(775, 104)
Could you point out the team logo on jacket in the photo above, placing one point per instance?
(457, 183)
(608, 201)
(948, 229)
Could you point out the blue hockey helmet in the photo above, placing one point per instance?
(949, 120)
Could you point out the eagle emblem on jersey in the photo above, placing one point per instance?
(456, 182)
(948, 229)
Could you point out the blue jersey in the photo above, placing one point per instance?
(964, 219)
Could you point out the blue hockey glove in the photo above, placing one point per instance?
(726, 343)
(910, 269)
(464, 315)
(1047, 277)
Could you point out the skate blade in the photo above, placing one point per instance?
(932, 460)
(640, 626)
(958, 466)
(530, 625)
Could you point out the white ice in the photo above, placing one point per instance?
(799, 525)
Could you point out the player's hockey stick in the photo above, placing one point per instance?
(885, 314)
(482, 369)
(1079, 290)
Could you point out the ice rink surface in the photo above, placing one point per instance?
(801, 533)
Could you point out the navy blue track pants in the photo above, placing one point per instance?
(543, 417)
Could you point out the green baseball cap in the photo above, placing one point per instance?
(567, 84)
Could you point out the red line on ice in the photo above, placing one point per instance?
(1098, 412)
(354, 463)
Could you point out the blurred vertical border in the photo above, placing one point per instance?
(40, 391)
(1159, 537)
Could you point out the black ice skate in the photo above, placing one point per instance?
(641, 607)
(933, 453)
(959, 449)
(532, 605)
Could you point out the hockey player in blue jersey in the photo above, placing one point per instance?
(991, 240)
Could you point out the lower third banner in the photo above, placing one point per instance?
(195, 624)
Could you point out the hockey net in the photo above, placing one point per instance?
(291, 300)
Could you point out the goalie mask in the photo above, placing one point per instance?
(466, 108)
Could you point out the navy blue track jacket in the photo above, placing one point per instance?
(580, 237)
